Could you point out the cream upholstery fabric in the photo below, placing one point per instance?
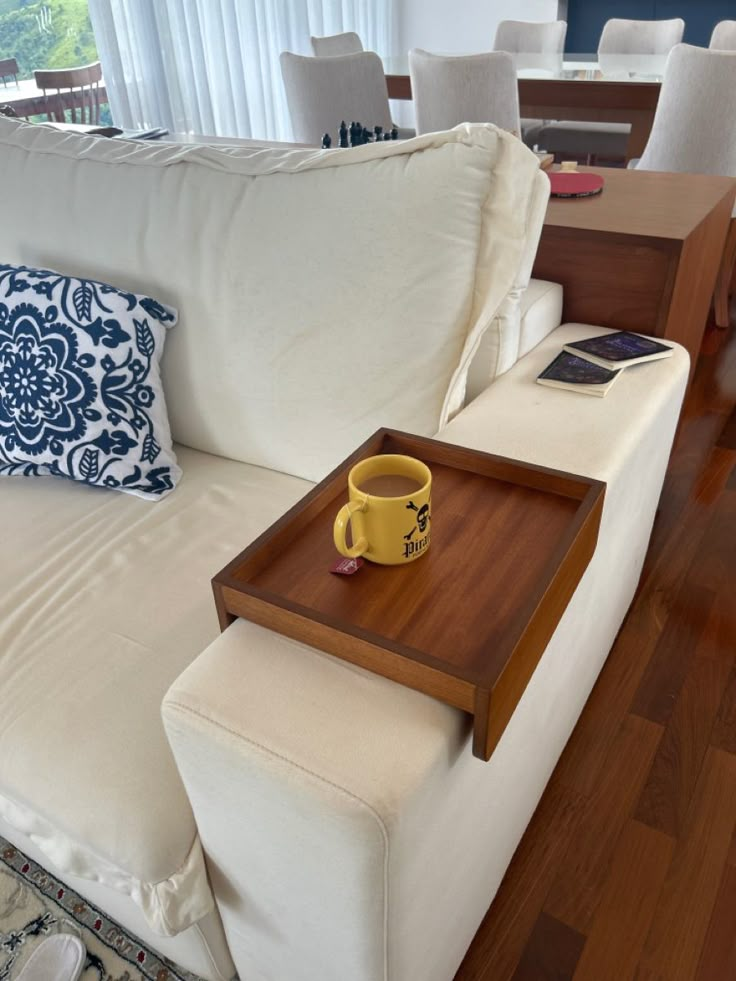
(723, 37)
(694, 128)
(498, 348)
(337, 44)
(540, 312)
(107, 598)
(279, 265)
(480, 88)
(372, 840)
(201, 948)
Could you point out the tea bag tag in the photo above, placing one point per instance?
(346, 567)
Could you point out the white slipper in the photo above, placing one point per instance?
(60, 957)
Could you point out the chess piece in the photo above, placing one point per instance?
(343, 134)
(378, 130)
(366, 135)
(394, 133)
(326, 141)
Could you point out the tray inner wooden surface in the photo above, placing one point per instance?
(491, 548)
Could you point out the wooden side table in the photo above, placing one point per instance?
(643, 255)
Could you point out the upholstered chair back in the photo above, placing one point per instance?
(694, 127)
(723, 37)
(638, 45)
(536, 46)
(337, 44)
(620, 36)
(531, 37)
(323, 91)
(479, 88)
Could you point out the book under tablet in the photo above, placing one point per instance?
(619, 350)
(578, 375)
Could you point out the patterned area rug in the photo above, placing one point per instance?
(34, 904)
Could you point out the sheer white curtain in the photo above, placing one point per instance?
(212, 66)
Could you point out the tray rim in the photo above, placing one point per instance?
(593, 493)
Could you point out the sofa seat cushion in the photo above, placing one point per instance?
(105, 600)
(293, 272)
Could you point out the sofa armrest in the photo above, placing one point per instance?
(349, 831)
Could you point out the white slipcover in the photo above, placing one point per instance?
(540, 312)
(372, 841)
(286, 307)
(106, 600)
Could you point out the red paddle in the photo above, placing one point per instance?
(574, 184)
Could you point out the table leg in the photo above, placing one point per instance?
(695, 280)
(726, 274)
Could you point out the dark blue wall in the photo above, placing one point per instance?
(585, 18)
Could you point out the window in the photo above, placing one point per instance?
(52, 34)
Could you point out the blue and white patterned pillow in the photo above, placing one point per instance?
(80, 388)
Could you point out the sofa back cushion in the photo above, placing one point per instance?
(320, 295)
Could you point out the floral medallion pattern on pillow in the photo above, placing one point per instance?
(80, 388)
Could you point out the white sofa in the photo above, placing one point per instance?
(294, 818)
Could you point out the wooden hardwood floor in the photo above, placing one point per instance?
(628, 868)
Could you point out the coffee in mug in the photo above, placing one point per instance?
(389, 511)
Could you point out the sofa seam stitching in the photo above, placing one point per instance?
(213, 964)
(172, 703)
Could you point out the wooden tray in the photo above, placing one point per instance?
(467, 622)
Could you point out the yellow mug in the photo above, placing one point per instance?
(388, 510)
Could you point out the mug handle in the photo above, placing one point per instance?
(343, 519)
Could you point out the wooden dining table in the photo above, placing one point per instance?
(27, 99)
(580, 88)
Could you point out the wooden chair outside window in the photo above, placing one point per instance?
(76, 89)
(8, 69)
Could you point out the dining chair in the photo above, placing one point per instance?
(337, 44)
(323, 91)
(723, 37)
(537, 46)
(73, 88)
(531, 37)
(8, 69)
(620, 40)
(449, 90)
(694, 132)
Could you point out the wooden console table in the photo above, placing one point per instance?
(643, 255)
